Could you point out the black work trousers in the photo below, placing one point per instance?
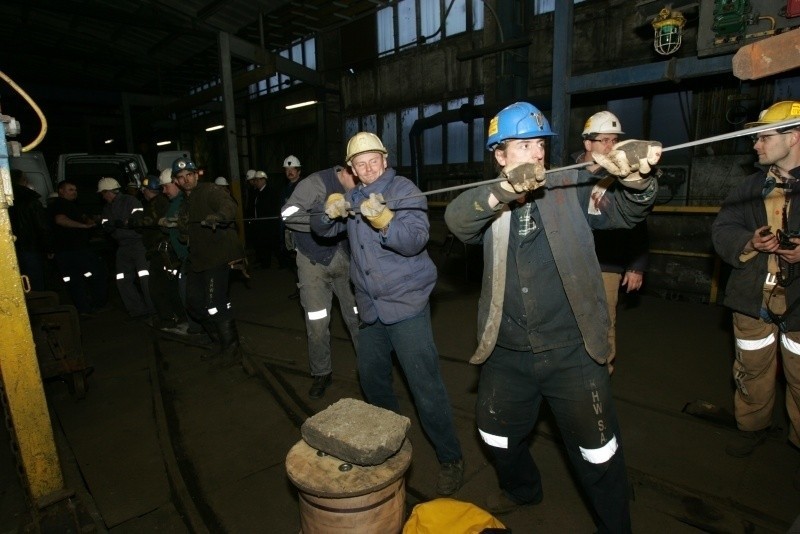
(207, 297)
(578, 391)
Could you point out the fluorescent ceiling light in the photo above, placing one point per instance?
(109, 141)
(216, 127)
(301, 104)
(162, 143)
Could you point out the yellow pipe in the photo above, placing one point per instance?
(22, 381)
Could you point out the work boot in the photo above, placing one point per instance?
(228, 354)
(745, 443)
(451, 476)
(499, 503)
(321, 383)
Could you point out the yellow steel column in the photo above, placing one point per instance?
(19, 369)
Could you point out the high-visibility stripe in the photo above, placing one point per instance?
(601, 455)
(143, 272)
(103, 221)
(134, 210)
(87, 274)
(317, 315)
(791, 346)
(355, 310)
(120, 276)
(212, 311)
(288, 212)
(501, 442)
(755, 344)
(229, 305)
(66, 278)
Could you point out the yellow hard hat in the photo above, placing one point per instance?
(364, 142)
(777, 112)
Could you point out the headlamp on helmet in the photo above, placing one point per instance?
(183, 164)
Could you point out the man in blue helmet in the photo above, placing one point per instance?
(206, 220)
(542, 317)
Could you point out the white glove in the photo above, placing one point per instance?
(630, 159)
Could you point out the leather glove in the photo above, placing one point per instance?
(518, 180)
(525, 177)
(211, 221)
(376, 212)
(336, 207)
(168, 222)
(630, 159)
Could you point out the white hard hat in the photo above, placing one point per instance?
(600, 123)
(165, 177)
(291, 161)
(260, 174)
(107, 184)
(364, 142)
(221, 181)
(250, 174)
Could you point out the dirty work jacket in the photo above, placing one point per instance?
(569, 211)
(742, 212)
(307, 201)
(210, 248)
(392, 274)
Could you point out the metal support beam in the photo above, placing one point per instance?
(19, 367)
(562, 70)
(229, 120)
(672, 70)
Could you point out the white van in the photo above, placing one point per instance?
(164, 159)
(84, 170)
(35, 168)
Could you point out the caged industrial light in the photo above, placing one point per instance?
(668, 26)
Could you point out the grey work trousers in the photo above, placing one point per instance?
(317, 285)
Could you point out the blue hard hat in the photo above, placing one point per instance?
(517, 121)
(151, 182)
(183, 164)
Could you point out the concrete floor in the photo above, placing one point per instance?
(162, 442)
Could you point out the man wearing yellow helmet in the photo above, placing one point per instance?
(756, 233)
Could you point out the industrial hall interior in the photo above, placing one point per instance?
(384, 266)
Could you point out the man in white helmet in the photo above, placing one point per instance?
(756, 232)
(393, 278)
(263, 209)
(292, 169)
(622, 252)
(121, 214)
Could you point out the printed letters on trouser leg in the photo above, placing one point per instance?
(579, 393)
(375, 366)
(413, 343)
(507, 409)
(754, 372)
(790, 350)
(315, 297)
(207, 294)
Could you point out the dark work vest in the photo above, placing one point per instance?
(316, 248)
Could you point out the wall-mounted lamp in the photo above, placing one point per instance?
(668, 26)
(215, 127)
(108, 141)
(162, 143)
(301, 104)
